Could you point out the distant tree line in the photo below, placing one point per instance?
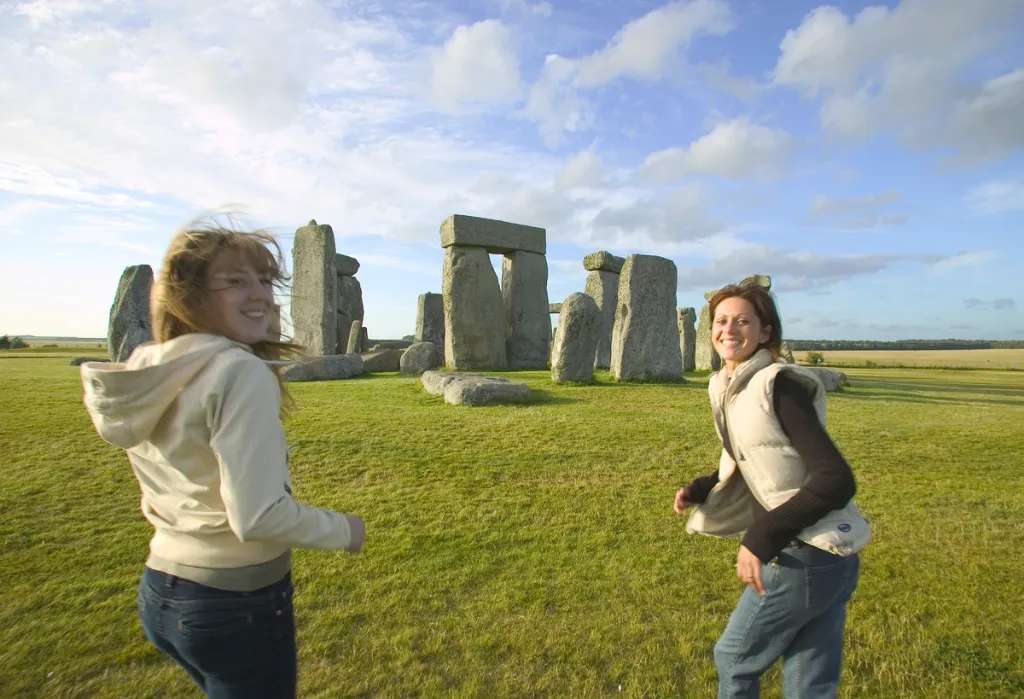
(825, 345)
(8, 342)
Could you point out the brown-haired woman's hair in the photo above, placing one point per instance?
(764, 306)
(180, 288)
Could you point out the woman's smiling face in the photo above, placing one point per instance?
(239, 299)
(736, 331)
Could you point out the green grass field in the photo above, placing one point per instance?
(935, 359)
(529, 550)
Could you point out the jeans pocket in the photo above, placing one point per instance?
(215, 623)
(828, 584)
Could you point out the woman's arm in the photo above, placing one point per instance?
(248, 439)
(829, 485)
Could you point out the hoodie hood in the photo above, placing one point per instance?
(127, 400)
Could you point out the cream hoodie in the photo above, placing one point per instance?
(199, 417)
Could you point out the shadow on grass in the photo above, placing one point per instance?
(938, 387)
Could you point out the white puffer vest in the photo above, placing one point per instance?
(772, 469)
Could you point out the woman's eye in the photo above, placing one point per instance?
(267, 282)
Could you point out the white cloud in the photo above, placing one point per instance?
(997, 197)
(645, 48)
(584, 169)
(1000, 304)
(735, 149)
(971, 258)
(680, 215)
(868, 211)
(907, 69)
(540, 9)
(477, 65)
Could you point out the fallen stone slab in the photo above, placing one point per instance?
(832, 379)
(473, 389)
(420, 357)
(329, 367)
(382, 360)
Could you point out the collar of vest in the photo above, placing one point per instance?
(720, 384)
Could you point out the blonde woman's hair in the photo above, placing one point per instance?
(180, 288)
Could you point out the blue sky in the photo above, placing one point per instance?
(869, 157)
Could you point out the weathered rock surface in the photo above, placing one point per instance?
(350, 306)
(832, 379)
(645, 339)
(492, 235)
(604, 261)
(345, 265)
(129, 324)
(473, 389)
(419, 357)
(705, 357)
(382, 360)
(326, 368)
(315, 289)
(554, 308)
(430, 319)
(474, 312)
(688, 337)
(579, 328)
(524, 290)
(355, 335)
(603, 287)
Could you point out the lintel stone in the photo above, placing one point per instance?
(345, 266)
(604, 261)
(497, 237)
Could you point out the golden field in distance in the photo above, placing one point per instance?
(960, 359)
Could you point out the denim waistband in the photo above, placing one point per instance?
(799, 553)
(173, 586)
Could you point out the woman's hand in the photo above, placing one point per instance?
(748, 569)
(682, 501)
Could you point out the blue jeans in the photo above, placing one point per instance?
(233, 644)
(800, 618)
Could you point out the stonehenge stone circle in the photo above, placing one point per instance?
(355, 332)
(326, 368)
(474, 312)
(645, 339)
(579, 328)
(473, 300)
(430, 319)
(315, 289)
(129, 323)
(524, 290)
(688, 337)
(419, 357)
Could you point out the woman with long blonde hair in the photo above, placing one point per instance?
(199, 413)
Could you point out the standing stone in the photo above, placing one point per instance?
(687, 337)
(603, 287)
(354, 335)
(350, 303)
(345, 266)
(579, 328)
(645, 339)
(315, 289)
(524, 289)
(364, 339)
(474, 312)
(129, 323)
(430, 320)
(705, 357)
(274, 329)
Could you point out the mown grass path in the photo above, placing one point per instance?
(529, 550)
